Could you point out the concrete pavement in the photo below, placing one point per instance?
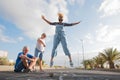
(61, 74)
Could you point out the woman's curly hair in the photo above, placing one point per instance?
(60, 15)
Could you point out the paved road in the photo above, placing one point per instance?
(61, 74)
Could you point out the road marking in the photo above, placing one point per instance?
(60, 77)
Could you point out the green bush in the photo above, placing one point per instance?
(4, 61)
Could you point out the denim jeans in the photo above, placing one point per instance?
(38, 52)
(60, 37)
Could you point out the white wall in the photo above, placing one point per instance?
(3, 53)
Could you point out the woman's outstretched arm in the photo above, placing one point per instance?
(75, 23)
(46, 20)
(71, 24)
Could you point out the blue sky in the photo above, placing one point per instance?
(21, 24)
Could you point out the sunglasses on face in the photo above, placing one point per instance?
(60, 19)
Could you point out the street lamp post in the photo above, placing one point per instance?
(83, 52)
(78, 60)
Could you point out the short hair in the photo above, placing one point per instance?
(26, 47)
(44, 34)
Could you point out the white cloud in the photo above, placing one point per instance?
(3, 37)
(104, 36)
(72, 2)
(108, 33)
(89, 38)
(26, 14)
(20, 39)
(7, 39)
(104, 33)
(110, 7)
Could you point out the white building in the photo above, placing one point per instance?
(3, 53)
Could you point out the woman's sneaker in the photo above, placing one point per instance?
(51, 63)
(71, 63)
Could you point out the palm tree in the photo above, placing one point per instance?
(88, 64)
(98, 62)
(101, 62)
(110, 55)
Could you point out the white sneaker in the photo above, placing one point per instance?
(71, 63)
(51, 63)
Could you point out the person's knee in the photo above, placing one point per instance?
(40, 57)
(35, 59)
(24, 60)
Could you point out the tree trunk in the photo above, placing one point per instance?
(102, 66)
(111, 64)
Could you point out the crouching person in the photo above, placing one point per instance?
(25, 61)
